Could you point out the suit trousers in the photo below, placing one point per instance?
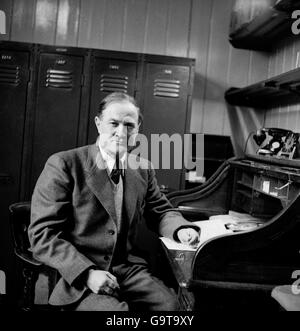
(139, 291)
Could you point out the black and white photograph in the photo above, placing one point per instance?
(149, 158)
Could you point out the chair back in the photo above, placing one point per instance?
(36, 289)
(19, 220)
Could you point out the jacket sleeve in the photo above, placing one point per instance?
(160, 215)
(51, 216)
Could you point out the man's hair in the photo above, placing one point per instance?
(118, 97)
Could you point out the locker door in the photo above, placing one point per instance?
(110, 75)
(165, 108)
(57, 107)
(14, 76)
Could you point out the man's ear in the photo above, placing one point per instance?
(97, 122)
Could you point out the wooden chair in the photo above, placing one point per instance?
(30, 267)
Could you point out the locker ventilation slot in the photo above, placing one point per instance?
(166, 88)
(9, 74)
(113, 83)
(59, 78)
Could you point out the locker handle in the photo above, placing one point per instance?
(6, 178)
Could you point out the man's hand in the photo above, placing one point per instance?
(189, 236)
(102, 282)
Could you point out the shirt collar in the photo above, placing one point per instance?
(110, 161)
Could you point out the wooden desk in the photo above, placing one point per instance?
(210, 295)
(254, 261)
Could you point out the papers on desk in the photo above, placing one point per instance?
(209, 229)
(216, 226)
(173, 245)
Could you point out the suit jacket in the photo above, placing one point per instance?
(73, 220)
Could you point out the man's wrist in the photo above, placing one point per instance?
(83, 278)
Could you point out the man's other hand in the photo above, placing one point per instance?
(102, 282)
(189, 236)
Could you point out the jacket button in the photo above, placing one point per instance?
(112, 232)
(106, 258)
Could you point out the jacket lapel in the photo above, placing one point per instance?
(98, 180)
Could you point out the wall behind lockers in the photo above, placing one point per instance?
(188, 28)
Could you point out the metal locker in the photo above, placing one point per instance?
(14, 80)
(110, 75)
(166, 105)
(58, 104)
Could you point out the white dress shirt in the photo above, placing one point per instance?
(110, 161)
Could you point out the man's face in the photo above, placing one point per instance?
(118, 122)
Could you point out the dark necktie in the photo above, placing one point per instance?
(117, 171)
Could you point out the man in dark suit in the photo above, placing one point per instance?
(85, 212)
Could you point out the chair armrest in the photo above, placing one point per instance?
(28, 259)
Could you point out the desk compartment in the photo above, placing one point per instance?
(275, 187)
(258, 194)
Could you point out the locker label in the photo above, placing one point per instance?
(61, 49)
(114, 67)
(61, 62)
(6, 57)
